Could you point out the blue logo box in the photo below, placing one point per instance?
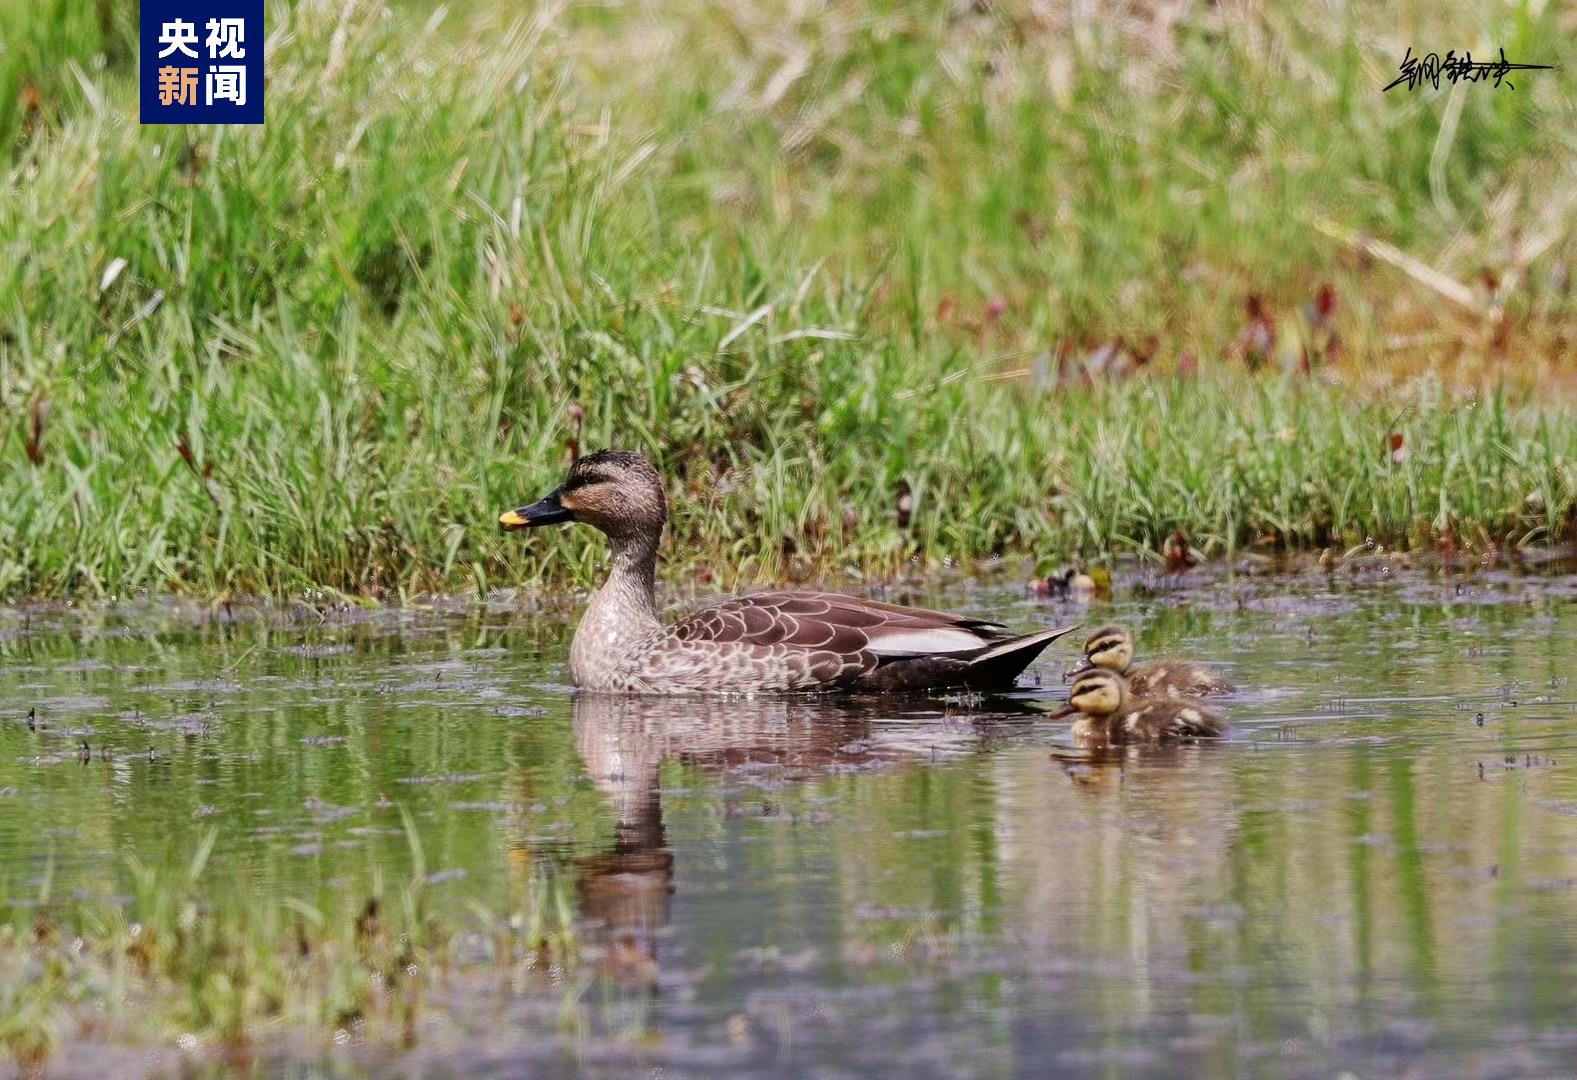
(202, 61)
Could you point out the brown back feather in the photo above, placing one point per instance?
(840, 625)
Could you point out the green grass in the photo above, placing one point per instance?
(52, 54)
(810, 263)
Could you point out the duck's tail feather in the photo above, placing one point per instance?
(999, 666)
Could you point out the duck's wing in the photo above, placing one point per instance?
(1176, 678)
(1172, 719)
(845, 625)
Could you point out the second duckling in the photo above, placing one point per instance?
(1111, 648)
(1111, 715)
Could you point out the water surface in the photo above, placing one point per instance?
(1376, 872)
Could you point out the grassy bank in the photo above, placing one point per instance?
(874, 283)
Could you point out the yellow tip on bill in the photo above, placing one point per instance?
(511, 520)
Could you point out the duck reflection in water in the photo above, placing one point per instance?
(624, 893)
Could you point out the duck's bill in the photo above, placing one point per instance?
(1063, 713)
(1082, 666)
(548, 511)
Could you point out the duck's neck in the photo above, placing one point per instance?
(631, 589)
(621, 615)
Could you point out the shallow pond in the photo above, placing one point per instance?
(1376, 872)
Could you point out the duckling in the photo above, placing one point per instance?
(1178, 555)
(1111, 715)
(1072, 583)
(1111, 648)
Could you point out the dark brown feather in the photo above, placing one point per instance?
(819, 620)
(1159, 720)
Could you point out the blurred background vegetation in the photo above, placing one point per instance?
(876, 282)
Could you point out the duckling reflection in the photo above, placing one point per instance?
(624, 893)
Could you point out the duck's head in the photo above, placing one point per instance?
(616, 491)
(1109, 648)
(1098, 693)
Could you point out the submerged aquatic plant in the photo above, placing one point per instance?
(192, 963)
